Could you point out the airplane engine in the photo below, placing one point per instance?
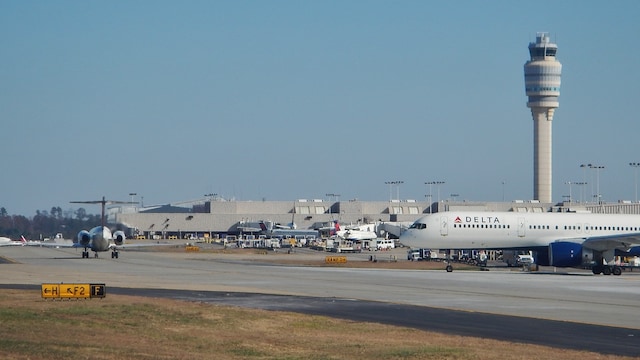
(118, 237)
(565, 254)
(634, 251)
(83, 238)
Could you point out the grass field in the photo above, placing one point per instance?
(124, 327)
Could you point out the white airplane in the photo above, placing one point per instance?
(356, 232)
(5, 241)
(351, 232)
(560, 239)
(100, 238)
(268, 228)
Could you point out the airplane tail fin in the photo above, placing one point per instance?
(23, 240)
(336, 228)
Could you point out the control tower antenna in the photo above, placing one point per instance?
(542, 84)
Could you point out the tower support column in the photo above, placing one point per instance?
(542, 150)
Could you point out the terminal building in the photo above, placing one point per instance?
(211, 218)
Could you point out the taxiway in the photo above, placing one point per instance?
(597, 304)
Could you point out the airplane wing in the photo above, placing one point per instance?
(133, 246)
(111, 246)
(607, 242)
(51, 244)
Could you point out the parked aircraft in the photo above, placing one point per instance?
(5, 241)
(351, 232)
(559, 239)
(269, 229)
(357, 232)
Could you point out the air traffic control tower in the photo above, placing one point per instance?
(542, 84)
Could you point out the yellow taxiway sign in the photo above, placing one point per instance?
(73, 291)
(335, 259)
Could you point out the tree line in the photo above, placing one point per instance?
(47, 223)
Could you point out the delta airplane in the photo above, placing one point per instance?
(5, 241)
(560, 239)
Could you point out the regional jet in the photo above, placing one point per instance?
(269, 229)
(560, 239)
(100, 238)
(357, 232)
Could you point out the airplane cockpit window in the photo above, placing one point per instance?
(418, 225)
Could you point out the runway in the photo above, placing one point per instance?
(573, 310)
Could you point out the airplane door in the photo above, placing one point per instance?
(444, 226)
(521, 227)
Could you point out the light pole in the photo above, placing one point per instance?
(579, 183)
(391, 183)
(635, 183)
(503, 182)
(569, 183)
(431, 183)
(428, 196)
(132, 195)
(597, 168)
(584, 179)
(454, 196)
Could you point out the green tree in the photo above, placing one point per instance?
(81, 214)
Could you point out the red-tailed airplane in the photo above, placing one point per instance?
(559, 239)
(5, 241)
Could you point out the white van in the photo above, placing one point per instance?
(384, 244)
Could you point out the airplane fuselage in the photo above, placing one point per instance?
(101, 238)
(503, 230)
(558, 239)
(4, 241)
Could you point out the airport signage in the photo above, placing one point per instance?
(73, 291)
(335, 259)
(192, 248)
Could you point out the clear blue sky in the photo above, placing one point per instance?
(282, 100)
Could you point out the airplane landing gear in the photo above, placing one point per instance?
(606, 270)
(114, 254)
(95, 255)
(447, 261)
